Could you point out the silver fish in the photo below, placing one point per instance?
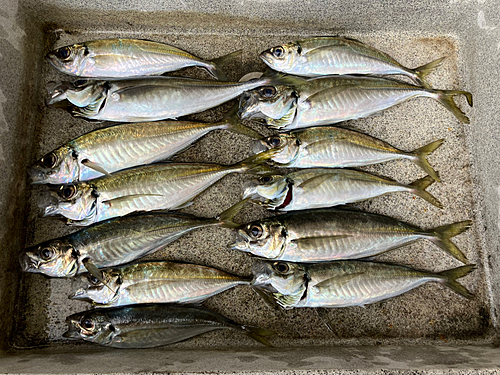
(324, 187)
(333, 147)
(114, 242)
(115, 58)
(168, 186)
(119, 147)
(346, 283)
(336, 55)
(155, 282)
(331, 99)
(332, 234)
(145, 98)
(149, 326)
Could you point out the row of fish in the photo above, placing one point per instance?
(98, 188)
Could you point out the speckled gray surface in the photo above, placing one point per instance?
(431, 316)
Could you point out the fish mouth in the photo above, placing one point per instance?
(241, 241)
(265, 56)
(248, 106)
(73, 332)
(37, 175)
(259, 146)
(27, 263)
(79, 295)
(57, 92)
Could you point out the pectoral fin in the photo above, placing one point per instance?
(128, 198)
(94, 271)
(316, 181)
(95, 167)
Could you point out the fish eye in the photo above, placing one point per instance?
(256, 231)
(68, 191)
(87, 323)
(278, 52)
(268, 91)
(46, 253)
(266, 179)
(63, 53)
(281, 267)
(49, 160)
(274, 141)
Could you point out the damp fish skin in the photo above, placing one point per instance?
(149, 326)
(321, 56)
(334, 147)
(167, 186)
(145, 98)
(325, 187)
(346, 283)
(123, 146)
(337, 234)
(303, 103)
(121, 58)
(114, 242)
(155, 282)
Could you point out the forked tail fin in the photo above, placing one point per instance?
(445, 97)
(423, 71)
(420, 158)
(418, 187)
(441, 237)
(215, 68)
(450, 277)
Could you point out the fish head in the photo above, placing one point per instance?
(287, 147)
(94, 326)
(69, 59)
(267, 102)
(282, 58)
(55, 258)
(269, 190)
(280, 278)
(91, 289)
(73, 201)
(265, 238)
(81, 93)
(57, 167)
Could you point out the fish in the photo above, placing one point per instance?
(154, 282)
(346, 283)
(121, 58)
(116, 241)
(339, 55)
(332, 99)
(334, 147)
(114, 148)
(325, 235)
(326, 187)
(167, 186)
(145, 98)
(149, 326)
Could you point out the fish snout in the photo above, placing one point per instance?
(80, 294)
(73, 332)
(27, 263)
(259, 146)
(36, 175)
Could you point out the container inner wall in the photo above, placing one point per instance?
(430, 314)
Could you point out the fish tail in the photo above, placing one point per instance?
(423, 71)
(420, 158)
(226, 217)
(418, 187)
(450, 276)
(441, 237)
(445, 97)
(254, 164)
(258, 334)
(215, 66)
(233, 123)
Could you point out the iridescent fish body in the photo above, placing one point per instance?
(346, 283)
(115, 58)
